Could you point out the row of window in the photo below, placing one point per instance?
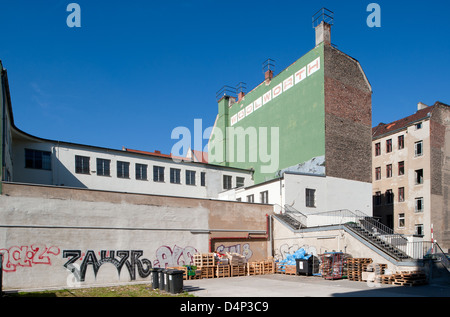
(418, 174)
(82, 166)
(418, 146)
(310, 197)
(389, 199)
(37, 159)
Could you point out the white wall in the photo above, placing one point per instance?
(63, 171)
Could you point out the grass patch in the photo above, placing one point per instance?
(138, 290)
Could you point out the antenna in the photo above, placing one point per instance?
(323, 15)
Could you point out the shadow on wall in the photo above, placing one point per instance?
(383, 208)
(64, 177)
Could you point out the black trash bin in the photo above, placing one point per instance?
(175, 281)
(162, 276)
(155, 277)
(304, 266)
(167, 273)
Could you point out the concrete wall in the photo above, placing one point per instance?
(51, 235)
(319, 241)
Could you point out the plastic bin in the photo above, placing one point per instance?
(162, 277)
(155, 278)
(167, 273)
(175, 281)
(304, 266)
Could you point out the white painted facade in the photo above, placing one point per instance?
(62, 171)
(329, 194)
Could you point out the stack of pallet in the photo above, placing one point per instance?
(206, 262)
(412, 278)
(260, 267)
(237, 264)
(356, 266)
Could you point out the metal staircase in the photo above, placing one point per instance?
(389, 243)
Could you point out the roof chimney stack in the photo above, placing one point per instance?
(322, 22)
(421, 106)
(268, 67)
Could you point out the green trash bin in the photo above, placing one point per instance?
(175, 281)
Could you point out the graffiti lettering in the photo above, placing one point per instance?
(131, 259)
(166, 257)
(27, 256)
(237, 248)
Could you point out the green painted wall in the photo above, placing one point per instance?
(298, 112)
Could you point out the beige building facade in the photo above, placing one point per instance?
(410, 171)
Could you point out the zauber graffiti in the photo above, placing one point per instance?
(131, 259)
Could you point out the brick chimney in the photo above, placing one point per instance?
(323, 33)
(268, 75)
(241, 96)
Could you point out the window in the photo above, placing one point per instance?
(389, 146)
(389, 197)
(310, 197)
(203, 178)
(38, 159)
(389, 170)
(240, 181)
(82, 164)
(401, 220)
(158, 174)
(419, 230)
(377, 200)
(175, 176)
(264, 197)
(418, 148)
(123, 169)
(401, 194)
(401, 142)
(103, 167)
(141, 172)
(377, 149)
(419, 204)
(377, 173)
(401, 168)
(190, 177)
(227, 179)
(419, 176)
(251, 198)
(418, 125)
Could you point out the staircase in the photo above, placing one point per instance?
(388, 243)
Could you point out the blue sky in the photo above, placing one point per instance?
(136, 70)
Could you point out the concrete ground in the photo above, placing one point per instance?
(280, 285)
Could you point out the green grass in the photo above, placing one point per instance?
(139, 290)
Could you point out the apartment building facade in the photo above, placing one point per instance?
(410, 173)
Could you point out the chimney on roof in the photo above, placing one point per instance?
(268, 75)
(322, 21)
(421, 106)
(268, 66)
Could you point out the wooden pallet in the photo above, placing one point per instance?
(290, 270)
(208, 271)
(223, 271)
(253, 268)
(204, 259)
(412, 278)
(237, 270)
(268, 267)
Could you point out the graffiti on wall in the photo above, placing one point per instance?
(27, 256)
(284, 249)
(178, 256)
(243, 249)
(130, 259)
